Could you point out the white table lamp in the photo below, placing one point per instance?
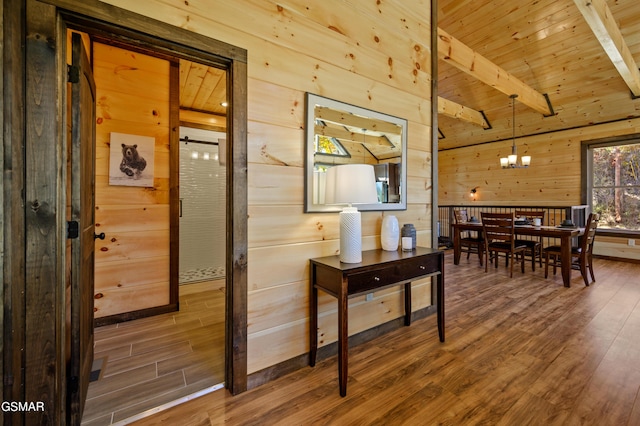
(351, 184)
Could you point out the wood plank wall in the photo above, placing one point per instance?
(374, 55)
(132, 262)
(553, 179)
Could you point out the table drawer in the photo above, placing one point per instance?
(411, 268)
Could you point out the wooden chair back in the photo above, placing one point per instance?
(460, 215)
(498, 227)
(534, 245)
(581, 256)
(587, 240)
(499, 237)
(470, 241)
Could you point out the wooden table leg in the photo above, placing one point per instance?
(565, 260)
(343, 340)
(456, 246)
(407, 304)
(313, 318)
(440, 298)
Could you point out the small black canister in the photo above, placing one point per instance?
(408, 230)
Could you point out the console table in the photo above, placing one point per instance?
(378, 269)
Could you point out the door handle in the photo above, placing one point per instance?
(99, 236)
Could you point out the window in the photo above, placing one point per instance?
(614, 183)
(331, 146)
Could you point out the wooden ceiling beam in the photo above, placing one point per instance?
(461, 112)
(343, 134)
(202, 120)
(459, 55)
(354, 121)
(599, 18)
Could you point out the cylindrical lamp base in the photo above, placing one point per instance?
(350, 236)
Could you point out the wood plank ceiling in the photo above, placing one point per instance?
(202, 88)
(550, 47)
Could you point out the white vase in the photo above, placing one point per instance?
(390, 233)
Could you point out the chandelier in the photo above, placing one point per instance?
(512, 160)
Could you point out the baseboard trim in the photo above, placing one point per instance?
(293, 364)
(616, 259)
(133, 315)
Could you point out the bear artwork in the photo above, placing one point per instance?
(132, 163)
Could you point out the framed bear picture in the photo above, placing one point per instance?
(131, 160)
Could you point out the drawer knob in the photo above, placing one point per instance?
(376, 278)
(422, 267)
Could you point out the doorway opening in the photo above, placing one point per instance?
(230, 317)
(202, 205)
(149, 354)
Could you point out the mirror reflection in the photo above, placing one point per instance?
(340, 133)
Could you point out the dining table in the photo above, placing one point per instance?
(564, 233)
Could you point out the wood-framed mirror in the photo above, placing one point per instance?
(340, 133)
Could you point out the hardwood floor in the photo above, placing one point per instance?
(521, 351)
(153, 361)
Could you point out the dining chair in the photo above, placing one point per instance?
(581, 256)
(499, 237)
(469, 242)
(534, 247)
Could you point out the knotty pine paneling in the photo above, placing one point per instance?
(122, 195)
(132, 244)
(132, 263)
(268, 345)
(263, 275)
(420, 164)
(276, 185)
(277, 145)
(125, 298)
(553, 179)
(368, 42)
(308, 66)
(130, 273)
(291, 300)
(278, 99)
(149, 217)
(371, 55)
(275, 225)
(419, 215)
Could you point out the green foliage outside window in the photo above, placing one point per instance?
(616, 186)
(326, 145)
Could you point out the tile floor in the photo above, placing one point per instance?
(152, 361)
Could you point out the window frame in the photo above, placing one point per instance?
(587, 171)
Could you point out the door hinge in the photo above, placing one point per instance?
(73, 74)
(72, 229)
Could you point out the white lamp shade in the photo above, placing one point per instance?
(504, 162)
(351, 184)
(526, 160)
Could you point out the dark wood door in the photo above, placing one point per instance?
(82, 212)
